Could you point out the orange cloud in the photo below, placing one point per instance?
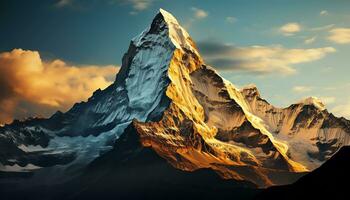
(340, 35)
(30, 86)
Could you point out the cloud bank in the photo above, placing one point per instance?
(32, 87)
(259, 59)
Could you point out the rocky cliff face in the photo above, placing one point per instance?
(184, 111)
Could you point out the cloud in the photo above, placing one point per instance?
(302, 89)
(63, 3)
(322, 28)
(324, 13)
(199, 13)
(231, 19)
(290, 29)
(327, 100)
(339, 35)
(259, 59)
(140, 5)
(32, 87)
(137, 5)
(310, 40)
(342, 110)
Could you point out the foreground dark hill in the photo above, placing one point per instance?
(330, 181)
(131, 171)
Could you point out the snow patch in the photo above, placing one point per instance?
(31, 148)
(313, 101)
(17, 168)
(178, 35)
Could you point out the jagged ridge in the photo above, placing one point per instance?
(311, 132)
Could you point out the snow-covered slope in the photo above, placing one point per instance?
(184, 111)
(311, 132)
(90, 128)
(200, 128)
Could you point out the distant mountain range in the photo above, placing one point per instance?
(167, 123)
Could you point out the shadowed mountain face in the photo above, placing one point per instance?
(183, 115)
(327, 182)
(131, 171)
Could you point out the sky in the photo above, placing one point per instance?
(54, 53)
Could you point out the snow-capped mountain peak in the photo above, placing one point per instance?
(177, 34)
(250, 91)
(166, 24)
(313, 101)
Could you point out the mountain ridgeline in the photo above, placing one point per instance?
(179, 110)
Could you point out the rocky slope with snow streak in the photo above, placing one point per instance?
(311, 132)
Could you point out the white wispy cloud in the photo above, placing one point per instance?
(324, 13)
(310, 40)
(231, 19)
(259, 59)
(339, 35)
(322, 28)
(136, 5)
(302, 89)
(327, 99)
(63, 3)
(342, 110)
(140, 5)
(199, 13)
(290, 29)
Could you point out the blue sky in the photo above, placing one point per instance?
(290, 49)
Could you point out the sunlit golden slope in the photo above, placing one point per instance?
(209, 123)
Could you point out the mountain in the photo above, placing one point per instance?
(131, 171)
(312, 134)
(327, 182)
(182, 111)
